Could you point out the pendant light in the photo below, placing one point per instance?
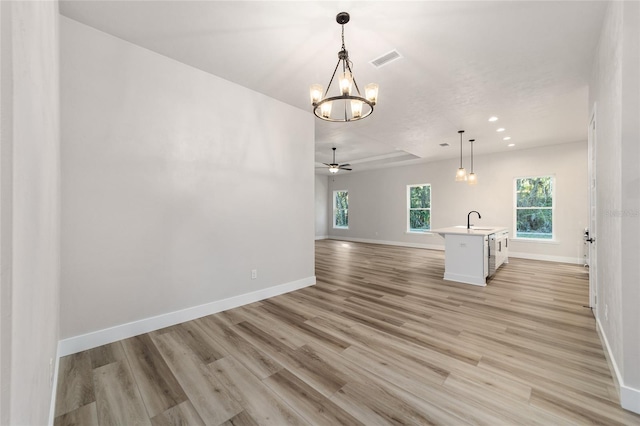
(348, 105)
(472, 179)
(461, 174)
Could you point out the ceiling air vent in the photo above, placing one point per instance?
(386, 58)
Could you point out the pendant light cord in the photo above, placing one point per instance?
(461, 132)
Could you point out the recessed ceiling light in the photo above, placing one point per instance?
(492, 119)
(506, 138)
(511, 144)
(501, 129)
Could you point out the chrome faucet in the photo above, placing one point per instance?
(469, 218)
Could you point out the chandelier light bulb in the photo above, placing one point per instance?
(333, 169)
(356, 109)
(346, 81)
(371, 92)
(325, 109)
(315, 92)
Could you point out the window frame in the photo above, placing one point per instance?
(515, 236)
(409, 209)
(335, 209)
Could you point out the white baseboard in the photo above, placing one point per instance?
(389, 243)
(321, 237)
(547, 258)
(629, 397)
(94, 339)
(531, 256)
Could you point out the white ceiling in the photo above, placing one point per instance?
(527, 63)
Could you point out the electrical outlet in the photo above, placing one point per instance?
(254, 274)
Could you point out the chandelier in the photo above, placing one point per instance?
(345, 106)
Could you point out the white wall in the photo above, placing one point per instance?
(29, 209)
(615, 96)
(321, 194)
(175, 185)
(377, 199)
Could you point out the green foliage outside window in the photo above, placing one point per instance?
(341, 209)
(419, 208)
(534, 207)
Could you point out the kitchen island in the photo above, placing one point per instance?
(473, 254)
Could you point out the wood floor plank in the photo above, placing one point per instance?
(182, 414)
(279, 329)
(83, 416)
(250, 356)
(158, 387)
(323, 377)
(265, 407)
(240, 419)
(117, 397)
(431, 403)
(311, 404)
(209, 397)
(106, 354)
(75, 384)
(207, 349)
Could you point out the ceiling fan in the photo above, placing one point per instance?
(334, 167)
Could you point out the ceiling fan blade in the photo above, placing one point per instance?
(328, 165)
(346, 164)
(345, 168)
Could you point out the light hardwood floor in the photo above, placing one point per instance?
(381, 339)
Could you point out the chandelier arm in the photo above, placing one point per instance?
(332, 77)
(353, 77)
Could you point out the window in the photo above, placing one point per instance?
(341, 209)
(535, 203)
(418, 207)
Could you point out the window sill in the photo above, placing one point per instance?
(419, 232)
(340, 227)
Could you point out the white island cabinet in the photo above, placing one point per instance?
(468, 256)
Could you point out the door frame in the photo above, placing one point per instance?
(592, 248)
